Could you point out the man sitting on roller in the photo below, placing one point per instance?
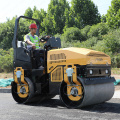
(32, 41)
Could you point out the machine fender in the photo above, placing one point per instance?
(98, 80)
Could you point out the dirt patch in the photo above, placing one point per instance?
(117, 87)
(6, 75)
(116, 76)
(5, 87)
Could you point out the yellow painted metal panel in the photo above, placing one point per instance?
(76, 84)
(80, 56)
(22, 75)
(26, 89)
(24, 84)
(57, 74)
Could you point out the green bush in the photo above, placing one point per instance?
(112, 41)
(98, 30)
(57, 35)
(65, 44)
(71, 34)
(6, 61)
(7, 32)
(84, 32)
(86, 44)
(3, 52)
(115, 60)
(100, 46)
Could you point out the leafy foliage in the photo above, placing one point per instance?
(40, 15)
(71, 34)
(6, 60)
(29, 13)
(103, 18)
(98, 30)
(85, 13)
(85, 31)
(7, 32)
(116, 61)
(112, 41)
(55, 19)
(113, 14)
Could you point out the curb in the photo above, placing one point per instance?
(5, 90)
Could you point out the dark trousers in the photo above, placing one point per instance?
(39, 58)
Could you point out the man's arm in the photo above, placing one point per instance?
(29, 42)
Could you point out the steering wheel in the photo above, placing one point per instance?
(42, 40)
(45, 38)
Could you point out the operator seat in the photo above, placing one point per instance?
(21, 44)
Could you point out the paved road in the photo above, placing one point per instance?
(54, 109)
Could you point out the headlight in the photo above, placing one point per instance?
(106, 71)
(91, 72)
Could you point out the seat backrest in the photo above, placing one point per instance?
(20, 44)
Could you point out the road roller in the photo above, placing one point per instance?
(80, 76)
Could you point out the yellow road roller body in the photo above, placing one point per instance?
(80, 56)
(80, 76)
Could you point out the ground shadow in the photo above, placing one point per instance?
(103, 108)
(100, 108)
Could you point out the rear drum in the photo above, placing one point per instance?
(15, 95)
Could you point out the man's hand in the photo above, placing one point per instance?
(45, 38)
(48, 36)
(30, 43)
(33, 46)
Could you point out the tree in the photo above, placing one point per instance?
(7, 32)
(103, 18)
(69, 19)
(54, 21)
(29, 13)
(6, 60)
(84, 13)
(40, 15)
(113, 14)
(34, 9)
